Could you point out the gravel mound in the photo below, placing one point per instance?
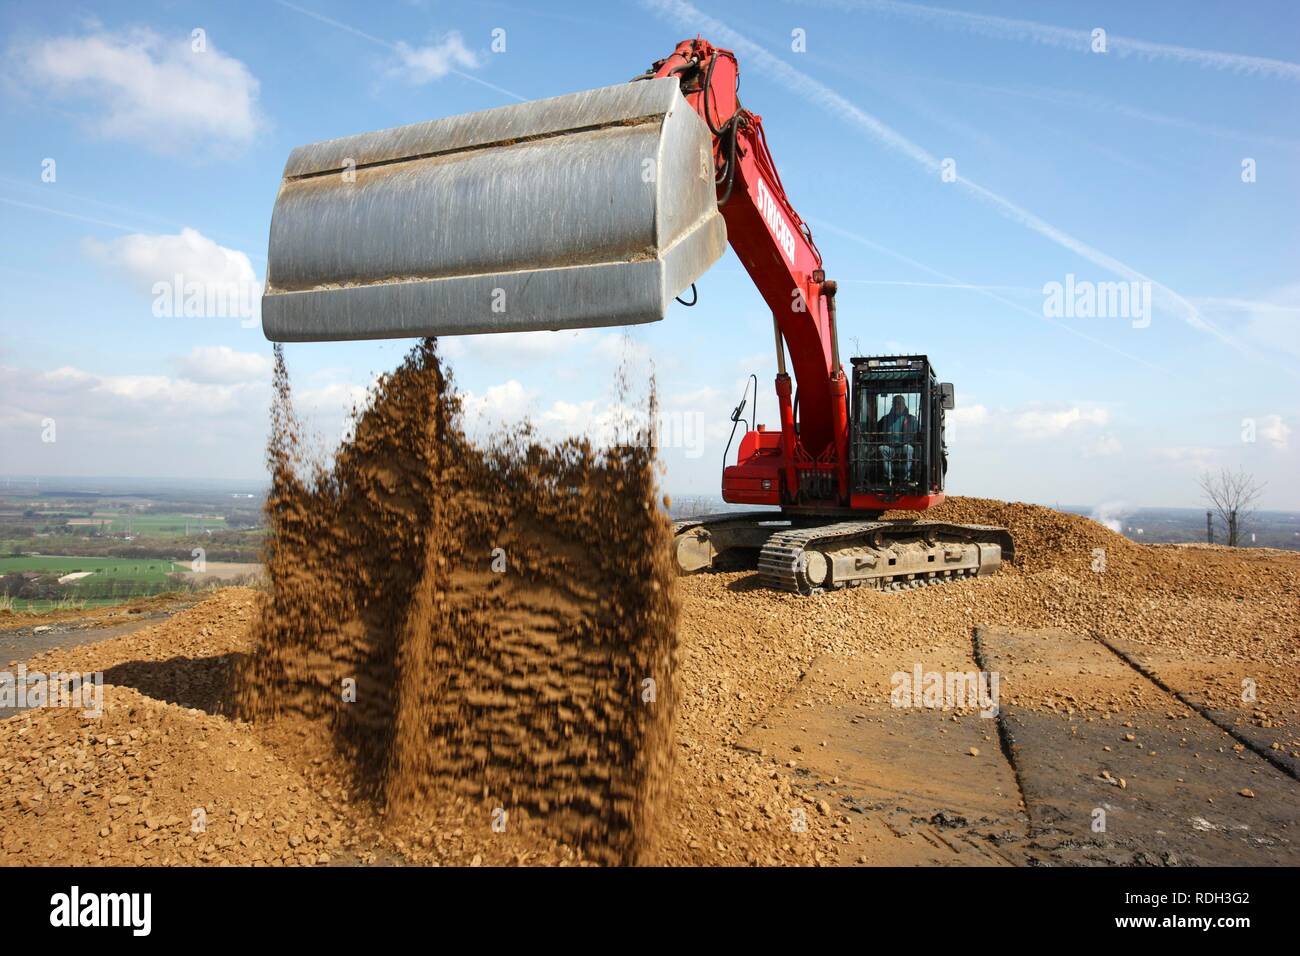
(1045, 539)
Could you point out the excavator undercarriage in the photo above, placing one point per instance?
(807, 555)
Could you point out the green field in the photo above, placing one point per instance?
(156, 524)
(113, 521)
(108, 567)
(62, 604)
(110, 579)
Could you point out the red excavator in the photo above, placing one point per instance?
(596, 209)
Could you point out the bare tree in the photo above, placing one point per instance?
(1233, 495)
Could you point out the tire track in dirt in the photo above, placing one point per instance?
(1122, 774)
(1004, 738)
(1279, 759)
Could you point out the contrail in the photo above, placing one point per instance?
(68, 215)
(692, 18)
(121, 227)
(1243, 305)
(63, 194)
(1077, 40)
(380, 41)
(1059, 97)
(965, 286)
(987, 291)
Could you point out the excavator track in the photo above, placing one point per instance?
(805, 556)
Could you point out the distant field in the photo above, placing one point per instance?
(162, 524)
(225, 570)
(109, 577)
(158, 524)
(70, 563)
(59, 604)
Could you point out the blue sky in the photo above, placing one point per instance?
(1064, 161)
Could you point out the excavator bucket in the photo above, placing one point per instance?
(591, 209)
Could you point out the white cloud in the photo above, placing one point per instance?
(423, 64)
(704, 397)
(185, 268)
(621, 348)
(605, 423)
(212, 382)
(576, 356)
(76, 394)
(152, 90)
(510, 403)
(158, 424)
(963, 422)
(965, 415)
(330, 408)
(418, 63)
(130, 424)
(60, 381)
(571, 417)
(1043, 423)
(1275, 431)
(522, 347)
(159, 258)
(506, 403)
(1104, 447)
(1186, 454)
(222, 365)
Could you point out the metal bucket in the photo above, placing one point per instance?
(591, 209)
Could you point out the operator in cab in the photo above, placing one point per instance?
(898, 430)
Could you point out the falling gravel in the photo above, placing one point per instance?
(492, 629)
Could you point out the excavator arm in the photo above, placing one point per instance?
(776, 248)
(590, 209)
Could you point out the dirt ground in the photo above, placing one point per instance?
(26, 622)
(1147, 714)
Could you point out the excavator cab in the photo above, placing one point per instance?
(897, 445)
